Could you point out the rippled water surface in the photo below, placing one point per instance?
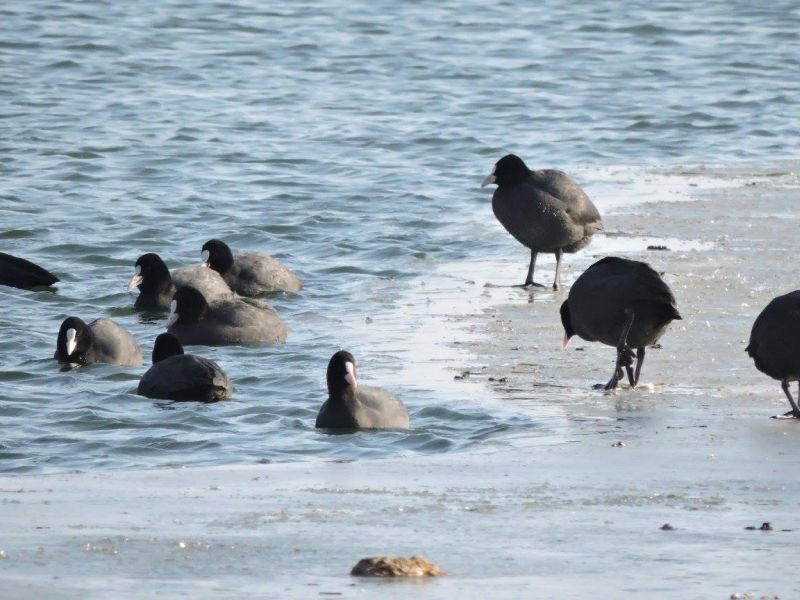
(347, 139)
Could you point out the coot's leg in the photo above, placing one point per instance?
(612, 383)
(529, 279)
(623, 354)
(559, 252)
(639, 361)
(795, 412)
(631, 380)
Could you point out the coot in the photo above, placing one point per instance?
(775, 343)
(157, 285)
(249, 273)
(544, 210)
(353, 406)
(102, 340)
(622, 303)
(178, 376)
(240, 321)
(20, 273)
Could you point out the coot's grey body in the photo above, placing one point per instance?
(353, 406)
(239, 321)
(544, 210)
(157, 285)
(20, 273)
(621, 303)
(249, 273)
(102, 340)
(178, 376)
(775, 343)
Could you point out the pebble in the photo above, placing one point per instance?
(389, 566)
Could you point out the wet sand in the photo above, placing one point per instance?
(564, 511)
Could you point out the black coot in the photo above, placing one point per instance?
(775, 343)
(178, 376)
(544, 210)
(622, 303)
(102, 341)
(157, 285)
(240, 321)
(353, 406)
(20, 273)
(249, 273)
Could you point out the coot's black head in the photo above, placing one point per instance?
(151, 274)
(166, 345)
(509, 170)
(217, 255)
(187, 306)
(341, 373)
(74, 341)
(566, 321)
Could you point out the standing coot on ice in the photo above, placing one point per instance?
(544, 210)
(622, 303)
(775, 344)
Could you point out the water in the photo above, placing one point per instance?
(347, 139)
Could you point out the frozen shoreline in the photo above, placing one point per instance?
(559, 514)
(548, 519)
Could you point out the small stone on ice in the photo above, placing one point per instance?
(389, 566)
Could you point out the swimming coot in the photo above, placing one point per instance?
(157, 285)
(102, 341)
(20, 273)
(240, 321)
(249, 273)
(353, 406)
(178, 376)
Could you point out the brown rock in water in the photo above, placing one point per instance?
(389, 566)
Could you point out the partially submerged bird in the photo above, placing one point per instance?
(544, 210)
(353, 406)
(775, 344)
(102, 340)
(157, 285)
(621, 303)
(249, 273)
(178, 376)
(239, 321)
(20, 273)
